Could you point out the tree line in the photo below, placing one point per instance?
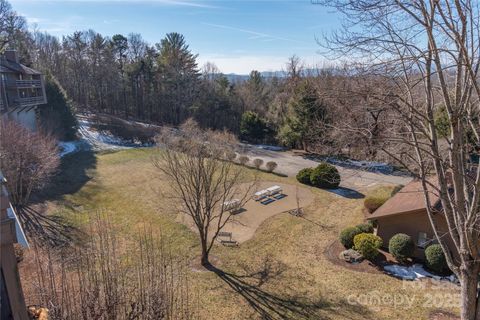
(162, 83)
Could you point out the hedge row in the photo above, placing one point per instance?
(401, 246)
(379, 196)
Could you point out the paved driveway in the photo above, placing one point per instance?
(290, 164)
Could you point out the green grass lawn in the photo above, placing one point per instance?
(281, 273)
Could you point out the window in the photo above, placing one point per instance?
(422, 240)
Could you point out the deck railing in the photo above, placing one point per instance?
(30, 101)
(24, 84)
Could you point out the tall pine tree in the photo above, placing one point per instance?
(57, 116)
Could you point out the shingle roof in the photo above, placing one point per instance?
(409, 199)
(12, 66)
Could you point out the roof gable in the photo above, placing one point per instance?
(14, 67)
(408, 200)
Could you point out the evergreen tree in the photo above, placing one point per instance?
(306, 119)
(179, 76)
(253, 127)
(57, 116)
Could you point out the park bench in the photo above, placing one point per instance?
(260, 195)
(227, 239)
(223, 234)
(274, 190)
(229, 243)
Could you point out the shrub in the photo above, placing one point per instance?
(243, 160)
(347, 235)
(435, 258)
(303, 176)
(271, 165)
(29, 160)
(367, 244)
(257, 163)
(230, 155)
(101, 273)
(366, 227)
(379, 196)
(401, 246)
(325, 176)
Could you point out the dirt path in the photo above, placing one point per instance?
(290, 164)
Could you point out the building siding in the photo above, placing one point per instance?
(412, 224)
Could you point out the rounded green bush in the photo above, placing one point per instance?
(366, 227)
(347, 235)
(303, 176)
(401, 246)
(378, 196)
(367, 244)
(325, 176)
(435, 258)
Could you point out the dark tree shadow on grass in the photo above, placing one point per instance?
(273, 306)
(347, 193)
(54, 230)
(50, 230)
(72, 176)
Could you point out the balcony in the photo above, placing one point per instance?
(23, 84)
(30, 101)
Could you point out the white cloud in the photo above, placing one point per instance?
(34, 19)
(58, 27)
(185, 3)
(255, 34)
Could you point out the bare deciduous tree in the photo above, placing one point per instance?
(110, 278)
(201, 180)
(11, 26)
(27, 159)
(428, 53)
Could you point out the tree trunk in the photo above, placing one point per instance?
(204, 259)
(468, 292)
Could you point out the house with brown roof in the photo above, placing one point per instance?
(22, 90)
(406, 212)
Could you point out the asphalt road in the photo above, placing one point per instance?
(290, 163)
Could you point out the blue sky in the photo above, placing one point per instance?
(236, 35)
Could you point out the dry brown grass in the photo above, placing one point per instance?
(281, 273)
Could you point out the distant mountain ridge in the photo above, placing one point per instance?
(235, 77)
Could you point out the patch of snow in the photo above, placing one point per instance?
(372, 166)
(414, 272)
(100, 140)
(67, 147)
(269, 147)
